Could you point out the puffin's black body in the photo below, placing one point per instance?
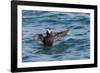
(48, 40)
(50, 37)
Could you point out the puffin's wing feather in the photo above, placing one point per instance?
(59, 35)
(39, 37)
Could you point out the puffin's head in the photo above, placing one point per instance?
(49, 31)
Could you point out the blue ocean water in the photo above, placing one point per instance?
(74, 46)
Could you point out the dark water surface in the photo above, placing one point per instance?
(75, 46)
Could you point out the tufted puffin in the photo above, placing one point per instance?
(50, 37)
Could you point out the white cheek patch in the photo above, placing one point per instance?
(49, 31)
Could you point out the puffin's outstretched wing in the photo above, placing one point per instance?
(39, 37)
(59, 35)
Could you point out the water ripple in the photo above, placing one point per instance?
(75, 46)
